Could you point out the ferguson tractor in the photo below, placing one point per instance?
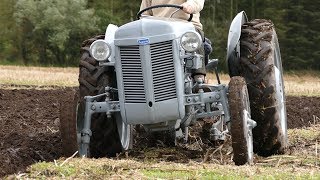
(140, 74)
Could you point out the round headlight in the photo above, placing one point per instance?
(100, 50)
(190, 41)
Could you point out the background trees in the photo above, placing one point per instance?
(8, 49)
(50, 32)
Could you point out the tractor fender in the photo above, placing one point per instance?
(109, 38)
(233, 48)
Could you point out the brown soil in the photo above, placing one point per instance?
(29, 128)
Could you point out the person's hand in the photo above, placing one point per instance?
(187, 8)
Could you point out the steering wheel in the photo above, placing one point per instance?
(161, 6)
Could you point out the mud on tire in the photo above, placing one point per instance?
(241, 133)
(260, 65)
(68, 126)
(92, 79)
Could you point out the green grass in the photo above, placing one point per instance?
(78, 168)
(49, 170)
(225, 174)
(304, 135)
(300, 162)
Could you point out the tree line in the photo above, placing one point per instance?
(50, 32)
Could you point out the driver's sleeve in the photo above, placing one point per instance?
(197, 4)
(145, 4)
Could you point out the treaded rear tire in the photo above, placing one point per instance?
(259, 63)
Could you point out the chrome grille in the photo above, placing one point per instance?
(163, 71)
(132, 75)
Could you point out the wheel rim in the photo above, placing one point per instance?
(248, 134)
(124, 131)
(78, 124)
(248, 126)
(280, 90)
(280, 97)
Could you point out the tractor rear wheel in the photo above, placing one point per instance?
(241, 126)
(105, 139)
(260, 65)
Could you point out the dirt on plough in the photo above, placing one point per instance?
(29, 128)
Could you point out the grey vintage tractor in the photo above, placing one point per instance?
(140, 74)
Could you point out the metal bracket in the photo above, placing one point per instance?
(106, 63)
(194, 62)
(219, 130)
(91, 107)
(250, 122)
(218, 94)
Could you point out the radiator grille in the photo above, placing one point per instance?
(163, 71)
(132, 75)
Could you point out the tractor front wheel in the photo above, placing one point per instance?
(241, 123)
(109, 135)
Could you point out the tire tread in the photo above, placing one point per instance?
(257, 66)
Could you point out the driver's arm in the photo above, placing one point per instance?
(145, 4)
(193, 6)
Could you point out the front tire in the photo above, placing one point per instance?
(260, 65)
(93, 79)
(68, 126)
(241, 128)
(109, 135)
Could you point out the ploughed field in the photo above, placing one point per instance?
(29, 131)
